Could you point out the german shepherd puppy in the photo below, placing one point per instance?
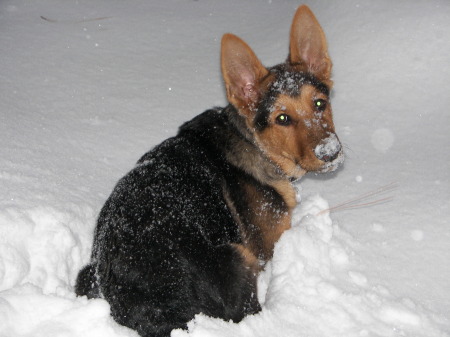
(187, 230)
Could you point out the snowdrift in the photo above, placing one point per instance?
(92, 86)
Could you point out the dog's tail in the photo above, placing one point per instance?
(87, 283)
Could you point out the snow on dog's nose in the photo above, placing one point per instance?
(329, 150)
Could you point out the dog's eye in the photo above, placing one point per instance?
(320, 104)
(284, 120)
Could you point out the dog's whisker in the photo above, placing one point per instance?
(346, 207)
(347, 147)
(352, 203)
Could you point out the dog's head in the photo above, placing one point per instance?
(287, 107)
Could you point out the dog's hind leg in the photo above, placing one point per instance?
(158, 294)
(235, 279)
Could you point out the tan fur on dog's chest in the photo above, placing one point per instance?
(263, 214)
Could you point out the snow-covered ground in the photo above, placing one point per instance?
(95, 84)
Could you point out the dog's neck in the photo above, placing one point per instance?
(244, 152)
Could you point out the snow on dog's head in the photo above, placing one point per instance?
(287, 106)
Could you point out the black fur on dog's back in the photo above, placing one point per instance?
(162, 248)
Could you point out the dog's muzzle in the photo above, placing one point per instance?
(330, 151)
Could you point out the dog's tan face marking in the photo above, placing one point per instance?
(296, 128)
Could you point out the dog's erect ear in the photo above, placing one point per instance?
(242, 72)
(308, 46)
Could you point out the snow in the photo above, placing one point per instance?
(382, 139)
(84, 97)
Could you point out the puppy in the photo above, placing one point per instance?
(187, 230)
